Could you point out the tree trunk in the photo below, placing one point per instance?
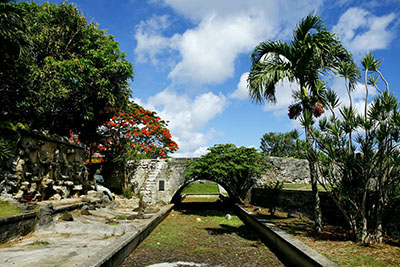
(314, 183)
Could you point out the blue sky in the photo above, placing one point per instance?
(191, 58)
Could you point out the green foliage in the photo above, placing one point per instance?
(6, 150)
(283, 145)
(362, 173)
(235, 168)
(127, 192)
(71, 76)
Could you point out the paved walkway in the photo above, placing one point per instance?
(85, 241)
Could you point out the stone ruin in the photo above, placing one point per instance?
(45, 167)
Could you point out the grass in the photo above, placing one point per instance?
(200, 199)
(203, 237)
(301, 187)
(40, 243)
(7, 209)
(334, 243)
(121, 217)
(200, 189)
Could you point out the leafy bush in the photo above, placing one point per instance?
(235, 168)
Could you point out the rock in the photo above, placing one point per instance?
(139, 216)
(45, 216)
(151, 210)
(135, 216)
(33, 188)
(85, 212)
(105, 199)
(55, 197)
(77, 187)
(19, 194)
(69, 183)
(104, 190)
(138, 209)
(142, 204)
(90, 206)
(66, 217)
(94, 194)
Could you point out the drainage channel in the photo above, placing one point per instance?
(288, 250)
(205, 234)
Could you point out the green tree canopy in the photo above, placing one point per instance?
(283, 145)
(235, 168)
(75, 73)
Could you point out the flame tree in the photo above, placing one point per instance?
(134, 133)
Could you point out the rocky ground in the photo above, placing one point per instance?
(81, 237)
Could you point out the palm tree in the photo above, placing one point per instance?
(311, 53)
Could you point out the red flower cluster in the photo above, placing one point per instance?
(137, 129)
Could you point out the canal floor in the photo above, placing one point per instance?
(202, 237)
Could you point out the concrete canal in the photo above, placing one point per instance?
(200, 232)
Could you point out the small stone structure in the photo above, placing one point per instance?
(44, 168)
(159, 180)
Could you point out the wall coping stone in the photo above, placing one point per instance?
(294, 251)
(18, 217)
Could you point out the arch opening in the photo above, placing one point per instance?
(221, 192)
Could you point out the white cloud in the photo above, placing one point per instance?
(151, 45)
(241, 92)
(360, 31)
(209, 51)
(206, 53)
(187, 118)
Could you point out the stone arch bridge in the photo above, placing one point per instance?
(162, 179)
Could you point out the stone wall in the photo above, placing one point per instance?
(45, 168)
(287, 170)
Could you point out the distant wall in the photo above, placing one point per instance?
(301, 201)
(287, 170)
(45, 167)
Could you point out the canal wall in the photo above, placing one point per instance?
(300, 201)
(292, 251)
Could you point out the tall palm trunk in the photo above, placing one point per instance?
(314, 182)
(311, 162)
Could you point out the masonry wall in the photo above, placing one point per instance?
(45, 167)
